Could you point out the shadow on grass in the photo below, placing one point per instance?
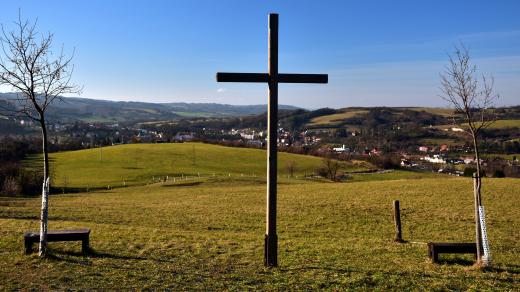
(456, 261)
(324, 268)
(512, 269)
(19, 216)
(84, 258)
(186, 184)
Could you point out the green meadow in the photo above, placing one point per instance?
(206, 233)
(138, 164)
(498, 124)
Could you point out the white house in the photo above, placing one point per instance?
(341, 149)
(435, 159)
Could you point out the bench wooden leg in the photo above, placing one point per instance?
(85, 246)
(28, 246)
(432, 254)
(435, 257)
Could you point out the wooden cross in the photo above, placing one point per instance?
(272, 78)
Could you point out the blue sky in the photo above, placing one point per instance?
(387, 53)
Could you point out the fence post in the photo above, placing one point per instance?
(397, 222)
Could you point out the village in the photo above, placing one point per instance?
(455, 160)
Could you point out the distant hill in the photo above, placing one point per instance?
(95, 110)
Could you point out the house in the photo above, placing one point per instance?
(375, 151)
(468, 160)
(341, 149)
(184, 136)
(406, 163)
(435, 159)
(248, 136)
(423, 148)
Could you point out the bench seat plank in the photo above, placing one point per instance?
(435, 248)
(58, 235)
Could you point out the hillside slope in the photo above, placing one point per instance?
(133, 164)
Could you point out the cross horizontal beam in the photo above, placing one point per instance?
(242, 77)
(303, 78)
(264, 77)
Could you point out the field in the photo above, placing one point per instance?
(445, 112)
(333, 119)
(439, 141)
(498, 124)
(138, 164)
(207, 234)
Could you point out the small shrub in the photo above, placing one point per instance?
(469, 171)
(11, 186)
(499, 173)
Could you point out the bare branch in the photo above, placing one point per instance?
(27, 66)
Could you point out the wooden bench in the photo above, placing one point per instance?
(435, 248)
(59, 235)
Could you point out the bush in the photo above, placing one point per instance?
(499, 173)
(386, 161)
(18, 181)
(11, 187)
(469, 171)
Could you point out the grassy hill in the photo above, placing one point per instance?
(333, 119)
(137, 164)
(209, 236)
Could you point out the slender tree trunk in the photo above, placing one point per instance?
(478, 235)
(45, 192)
(478, 202)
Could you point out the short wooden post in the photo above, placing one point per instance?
(397, 222)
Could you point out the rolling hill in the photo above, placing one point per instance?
(137, 164)
(95, 110)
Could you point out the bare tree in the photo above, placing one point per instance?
(473, 100)
(39, 77)
(291, 167)
(331, 167)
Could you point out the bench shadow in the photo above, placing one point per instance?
(456, 261)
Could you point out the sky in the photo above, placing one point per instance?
(377, 53)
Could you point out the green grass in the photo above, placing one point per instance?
(335, 118)
(445, 112)
(208, 235)
(503, 124)
(498, 124)
(394, 175)
(137, 164)
(501, 156)
(194, 114)
(439, 141)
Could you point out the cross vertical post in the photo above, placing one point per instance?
(271, 239)
(272, 78)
